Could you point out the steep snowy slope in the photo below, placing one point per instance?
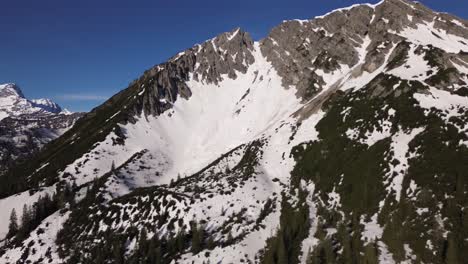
(340, 139)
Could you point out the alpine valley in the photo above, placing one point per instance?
(339, 139)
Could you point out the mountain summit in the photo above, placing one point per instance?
(27, 125)
(13, 103)
(48, 105)
(10, 90)
(339, 139)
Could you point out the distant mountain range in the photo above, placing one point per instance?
(13, 103)
(27, 125)
(339, 139)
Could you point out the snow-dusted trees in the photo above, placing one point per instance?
(32, 216)
(13, 227)
(197, 238)
(26, 222)
(285, 246)
(113, 166)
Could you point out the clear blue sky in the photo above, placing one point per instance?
(81, 52)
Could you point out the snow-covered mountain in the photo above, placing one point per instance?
(13, 103)
(27, 125)
(47, 105)
(339, 139)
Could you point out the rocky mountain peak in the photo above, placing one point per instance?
(27, 125)
(10, 89)
(47, 104)
(14, 103)
(360, 37)
(223, 56)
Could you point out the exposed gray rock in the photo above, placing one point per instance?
(298, 49)
(22, 136)
(292, 46)
(209, 62)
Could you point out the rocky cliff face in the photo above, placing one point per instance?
(356, 40)
(228, 54)
(340, 139)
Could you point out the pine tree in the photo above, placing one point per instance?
(61, 199)
(39, 210)
(197, 238)
(151, 252)
(371, 253)
(26, 218)
(268, 257)
(69, 194)
(451, 254)
(180, 241)
(143, 236)
(25, 223)
(309, 258)
(157, 255)
(347, 252)
(210, 243)
(230, 238)
(282, 253)
(49, 205)
(143, 246)
(13, 227)
(118, 254)
(113, 167)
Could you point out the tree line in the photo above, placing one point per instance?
(32, 216)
